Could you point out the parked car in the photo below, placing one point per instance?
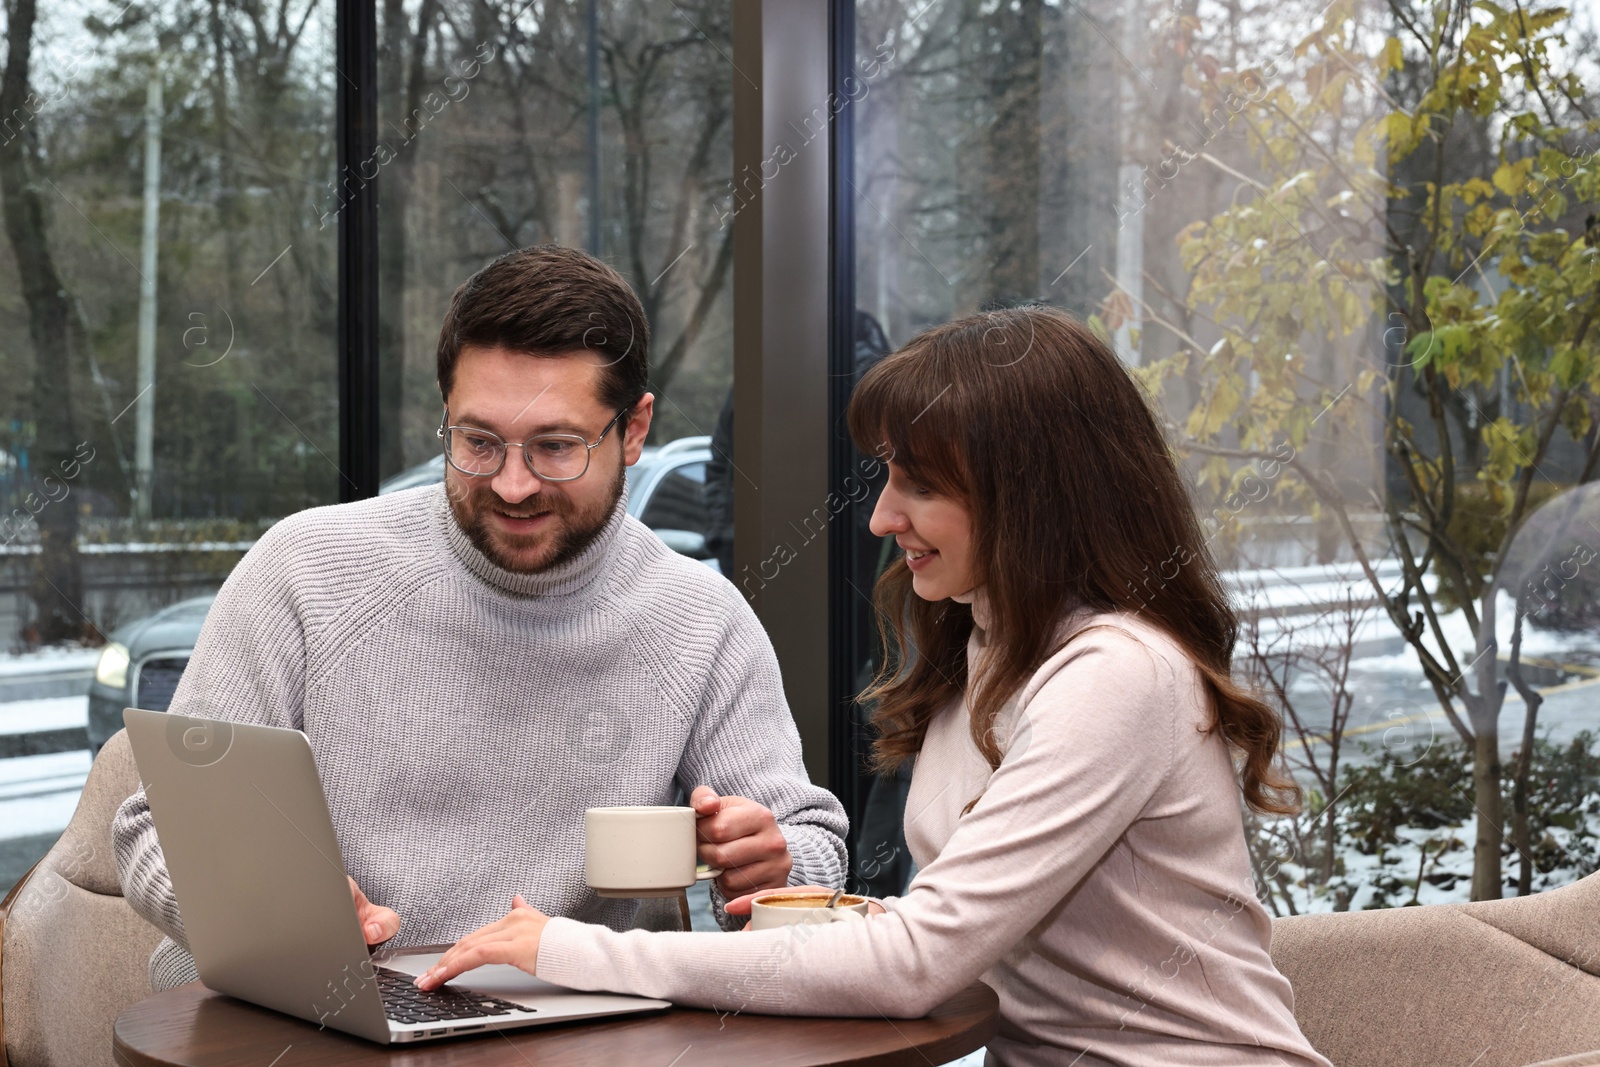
(141, 664)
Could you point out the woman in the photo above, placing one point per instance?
(1065, 687)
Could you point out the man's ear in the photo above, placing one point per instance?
(638, 429)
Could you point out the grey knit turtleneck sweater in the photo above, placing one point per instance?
(463, 716)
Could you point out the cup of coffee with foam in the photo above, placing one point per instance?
(641, 851)
(792, 907)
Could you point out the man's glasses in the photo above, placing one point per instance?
(552, 457)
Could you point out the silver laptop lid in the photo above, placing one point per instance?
(255, 865)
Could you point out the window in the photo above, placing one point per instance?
(167, 348)
(604, 126)
(171, 343)
(1241, 200)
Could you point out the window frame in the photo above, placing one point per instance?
(799, 443)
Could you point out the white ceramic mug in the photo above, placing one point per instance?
(641, 851)
(769, 916)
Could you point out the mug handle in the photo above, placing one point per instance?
(708, 873)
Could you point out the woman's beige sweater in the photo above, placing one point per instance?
(1100, 885)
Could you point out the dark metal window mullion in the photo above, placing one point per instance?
(356, 61)
(845, 737)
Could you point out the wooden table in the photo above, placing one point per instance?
(191, 1026)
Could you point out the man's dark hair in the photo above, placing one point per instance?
(549, 301)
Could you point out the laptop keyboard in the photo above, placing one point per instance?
(405, 1003)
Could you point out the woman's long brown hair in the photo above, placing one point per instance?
(1029, 420)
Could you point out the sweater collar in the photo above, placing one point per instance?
(561, 580)
(978, 599)
(1072, 615)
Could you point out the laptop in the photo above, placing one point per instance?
(256, 869)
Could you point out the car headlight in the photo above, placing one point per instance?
(112, 668)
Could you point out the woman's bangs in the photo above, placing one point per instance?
(901, 413)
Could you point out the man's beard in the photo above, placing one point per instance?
(573, 529)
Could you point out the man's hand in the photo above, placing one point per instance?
(513, 940)
(742, 838)
(378, 923)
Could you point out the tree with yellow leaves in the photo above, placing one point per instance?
(1412, 262)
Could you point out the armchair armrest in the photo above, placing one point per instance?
(5, 910)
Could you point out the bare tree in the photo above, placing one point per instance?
(1321, 645)
(57, 333)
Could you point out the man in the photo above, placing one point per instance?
(477, 663)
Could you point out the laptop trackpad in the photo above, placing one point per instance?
(518, 986)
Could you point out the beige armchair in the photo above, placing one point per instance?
(73, 954)
(1502, 983)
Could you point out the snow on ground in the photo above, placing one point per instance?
(1449, 855)
(49, 660)
(1537, 642)
(39, 793)
(1434, 866)
(46, 713)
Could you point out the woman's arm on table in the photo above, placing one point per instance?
(1099, 740)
